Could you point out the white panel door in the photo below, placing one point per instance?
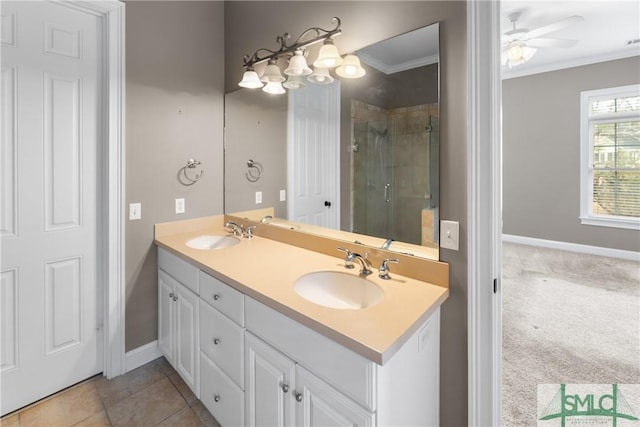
(314, 155)
(51, 333)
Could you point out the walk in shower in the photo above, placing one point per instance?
(395, 172)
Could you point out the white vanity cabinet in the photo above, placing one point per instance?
(178, 317)
(279, 392)
(295, 376)
(222, 350)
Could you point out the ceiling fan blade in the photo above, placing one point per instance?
(556, 26)
(546, 42)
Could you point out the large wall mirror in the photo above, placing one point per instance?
(355, 155)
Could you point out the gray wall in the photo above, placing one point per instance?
(252, 25)
(256, 129)
(541, 154)
(174, 111)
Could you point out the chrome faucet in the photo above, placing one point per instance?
(383, 270)
(386, 244)
(353, 256)
(236, 230)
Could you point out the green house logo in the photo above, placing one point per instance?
(589, 404)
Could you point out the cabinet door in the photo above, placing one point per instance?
(269, 381)
(187, 337)
(318, 404)
(165, 315)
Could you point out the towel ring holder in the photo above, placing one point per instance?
(191, 164)
(254, 173)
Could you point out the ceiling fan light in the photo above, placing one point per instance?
(351, 68)
(519, 53)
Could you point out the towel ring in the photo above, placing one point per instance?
(191, 164)
(255, 170)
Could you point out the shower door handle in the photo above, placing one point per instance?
(387, 197)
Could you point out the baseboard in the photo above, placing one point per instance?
(572, 247)
(142, 355)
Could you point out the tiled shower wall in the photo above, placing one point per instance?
(392, 147)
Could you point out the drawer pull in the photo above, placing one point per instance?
(298, 396)
(216, 398)
(216, 297)
(216, 341)
(285, 388)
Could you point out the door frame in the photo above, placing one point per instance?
(484, 204)
(111, 237)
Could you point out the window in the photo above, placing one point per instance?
(610, 157)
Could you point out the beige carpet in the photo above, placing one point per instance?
(567, 318)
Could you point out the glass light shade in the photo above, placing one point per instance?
(298, 65)
(250, 80)
(328, 57)
(351, 68)
(272, 73)
(321, 76)
(294, 82)
(519, 53)
(274, 88)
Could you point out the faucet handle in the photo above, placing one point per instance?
(383, 270)
(348, 260)
(248, 233)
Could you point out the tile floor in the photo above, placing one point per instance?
(151, 395)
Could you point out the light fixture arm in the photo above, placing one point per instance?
(319, 34)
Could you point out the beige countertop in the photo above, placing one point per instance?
(266, 270)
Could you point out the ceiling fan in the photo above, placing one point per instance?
(520, 44)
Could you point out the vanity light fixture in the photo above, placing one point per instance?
(328, 57)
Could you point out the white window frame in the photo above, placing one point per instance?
(587, 217)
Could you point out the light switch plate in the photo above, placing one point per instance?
(258, 197)
(135, 211)
(179, 206)
(449, 235)
(283, 195)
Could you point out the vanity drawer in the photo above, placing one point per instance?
(222, 341)
(347, 371)
(223, 297)
(179, 269)
(220, 395)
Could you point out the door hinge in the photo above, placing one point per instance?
(495, 286)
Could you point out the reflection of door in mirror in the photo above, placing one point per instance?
(313, 147)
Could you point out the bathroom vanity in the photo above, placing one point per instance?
(257, 353)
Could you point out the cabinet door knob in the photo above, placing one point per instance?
(216, 398)
(216, 297)
(175, 297)
(298, 396)
(216, 341)
(285, 387)
(171, 295)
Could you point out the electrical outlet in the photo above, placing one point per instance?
(283, 195)
(449, 235)
(258, 197)
(179, 206)
(135, 211)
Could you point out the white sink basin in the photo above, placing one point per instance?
(334, 289)
(212, 242)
